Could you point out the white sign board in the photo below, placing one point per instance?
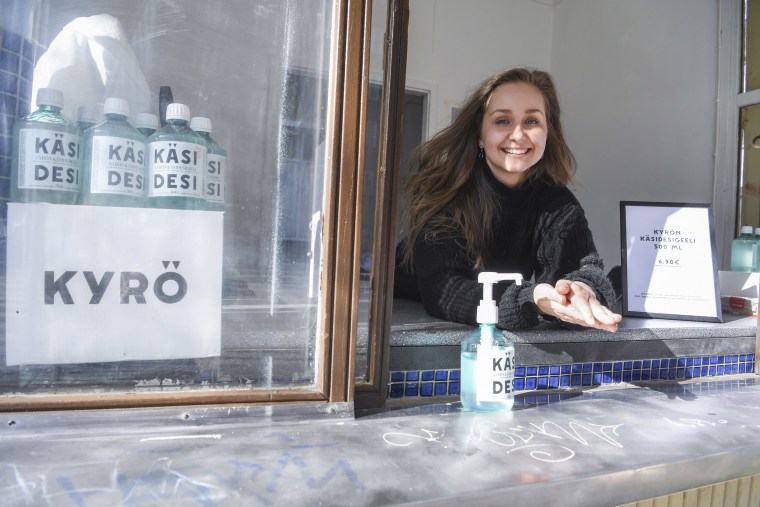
(669, 267)
(99, 284)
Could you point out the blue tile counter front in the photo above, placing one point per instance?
(423, 383)
(424, 353)
(427, 383)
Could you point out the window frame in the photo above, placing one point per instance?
(371, 389)
(730, 102)
(339, 278)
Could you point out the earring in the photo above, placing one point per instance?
(481, 153)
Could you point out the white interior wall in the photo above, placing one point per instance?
(637, 82)
(454, 45)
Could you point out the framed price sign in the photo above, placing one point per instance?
(668, 261)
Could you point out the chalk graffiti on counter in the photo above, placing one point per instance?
(310, 480)
(159, 482)
(265, 482)
(168, 480)
(400, 439)
(695, 423)
(548, 442)
(544, 452)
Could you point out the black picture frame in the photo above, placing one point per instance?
(674, 254)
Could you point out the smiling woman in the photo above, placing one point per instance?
(490, 194)
(514, 131)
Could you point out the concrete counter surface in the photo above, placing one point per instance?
(411, 326)
(598, 447)
(419, 341)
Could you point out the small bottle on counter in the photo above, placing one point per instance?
(216, 165)
(176, 163)
(146, 124)
(744, 251)
(86, 117)
(45, 154)
(488, 356)
(113, 160)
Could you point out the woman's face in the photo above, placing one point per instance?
(514, 130)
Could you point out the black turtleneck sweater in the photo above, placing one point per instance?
(540, 231)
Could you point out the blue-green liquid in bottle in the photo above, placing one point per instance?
(45, 156)
(487, 385)
(146, 124)
(87, 117)
(216, 169)
(744, 251)
(176, 165)
(113, 167)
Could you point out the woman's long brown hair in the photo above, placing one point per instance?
(447, 195)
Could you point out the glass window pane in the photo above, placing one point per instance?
(150, 294)
(749, 166)
(751, 46)
(412, 128)
(369, 183)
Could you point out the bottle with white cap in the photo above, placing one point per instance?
(176, 163)
(744, 251)
(146, 123)
(86, 117)
(488, 356)
(113, 160)
(216, 164)
(45, 154)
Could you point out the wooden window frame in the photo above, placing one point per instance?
(340, 241)
(371, 390)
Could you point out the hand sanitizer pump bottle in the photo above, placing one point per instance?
(488, 357)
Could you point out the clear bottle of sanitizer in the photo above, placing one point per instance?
(146, 123)
(113, 160)
(744, 251)
(216, 164)
(176, 163)
(86, 117)
(488, 356)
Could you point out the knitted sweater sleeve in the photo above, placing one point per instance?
(448, 286)
(565, 251)
(449, 290)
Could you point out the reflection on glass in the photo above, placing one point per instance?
(369, 184)
(751, 46)
(413, 126)
(749, 166)
(259, 70)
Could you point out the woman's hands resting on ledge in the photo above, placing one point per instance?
(576, 303)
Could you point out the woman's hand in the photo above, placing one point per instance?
(576, 303)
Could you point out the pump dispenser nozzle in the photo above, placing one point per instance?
(488, 312)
